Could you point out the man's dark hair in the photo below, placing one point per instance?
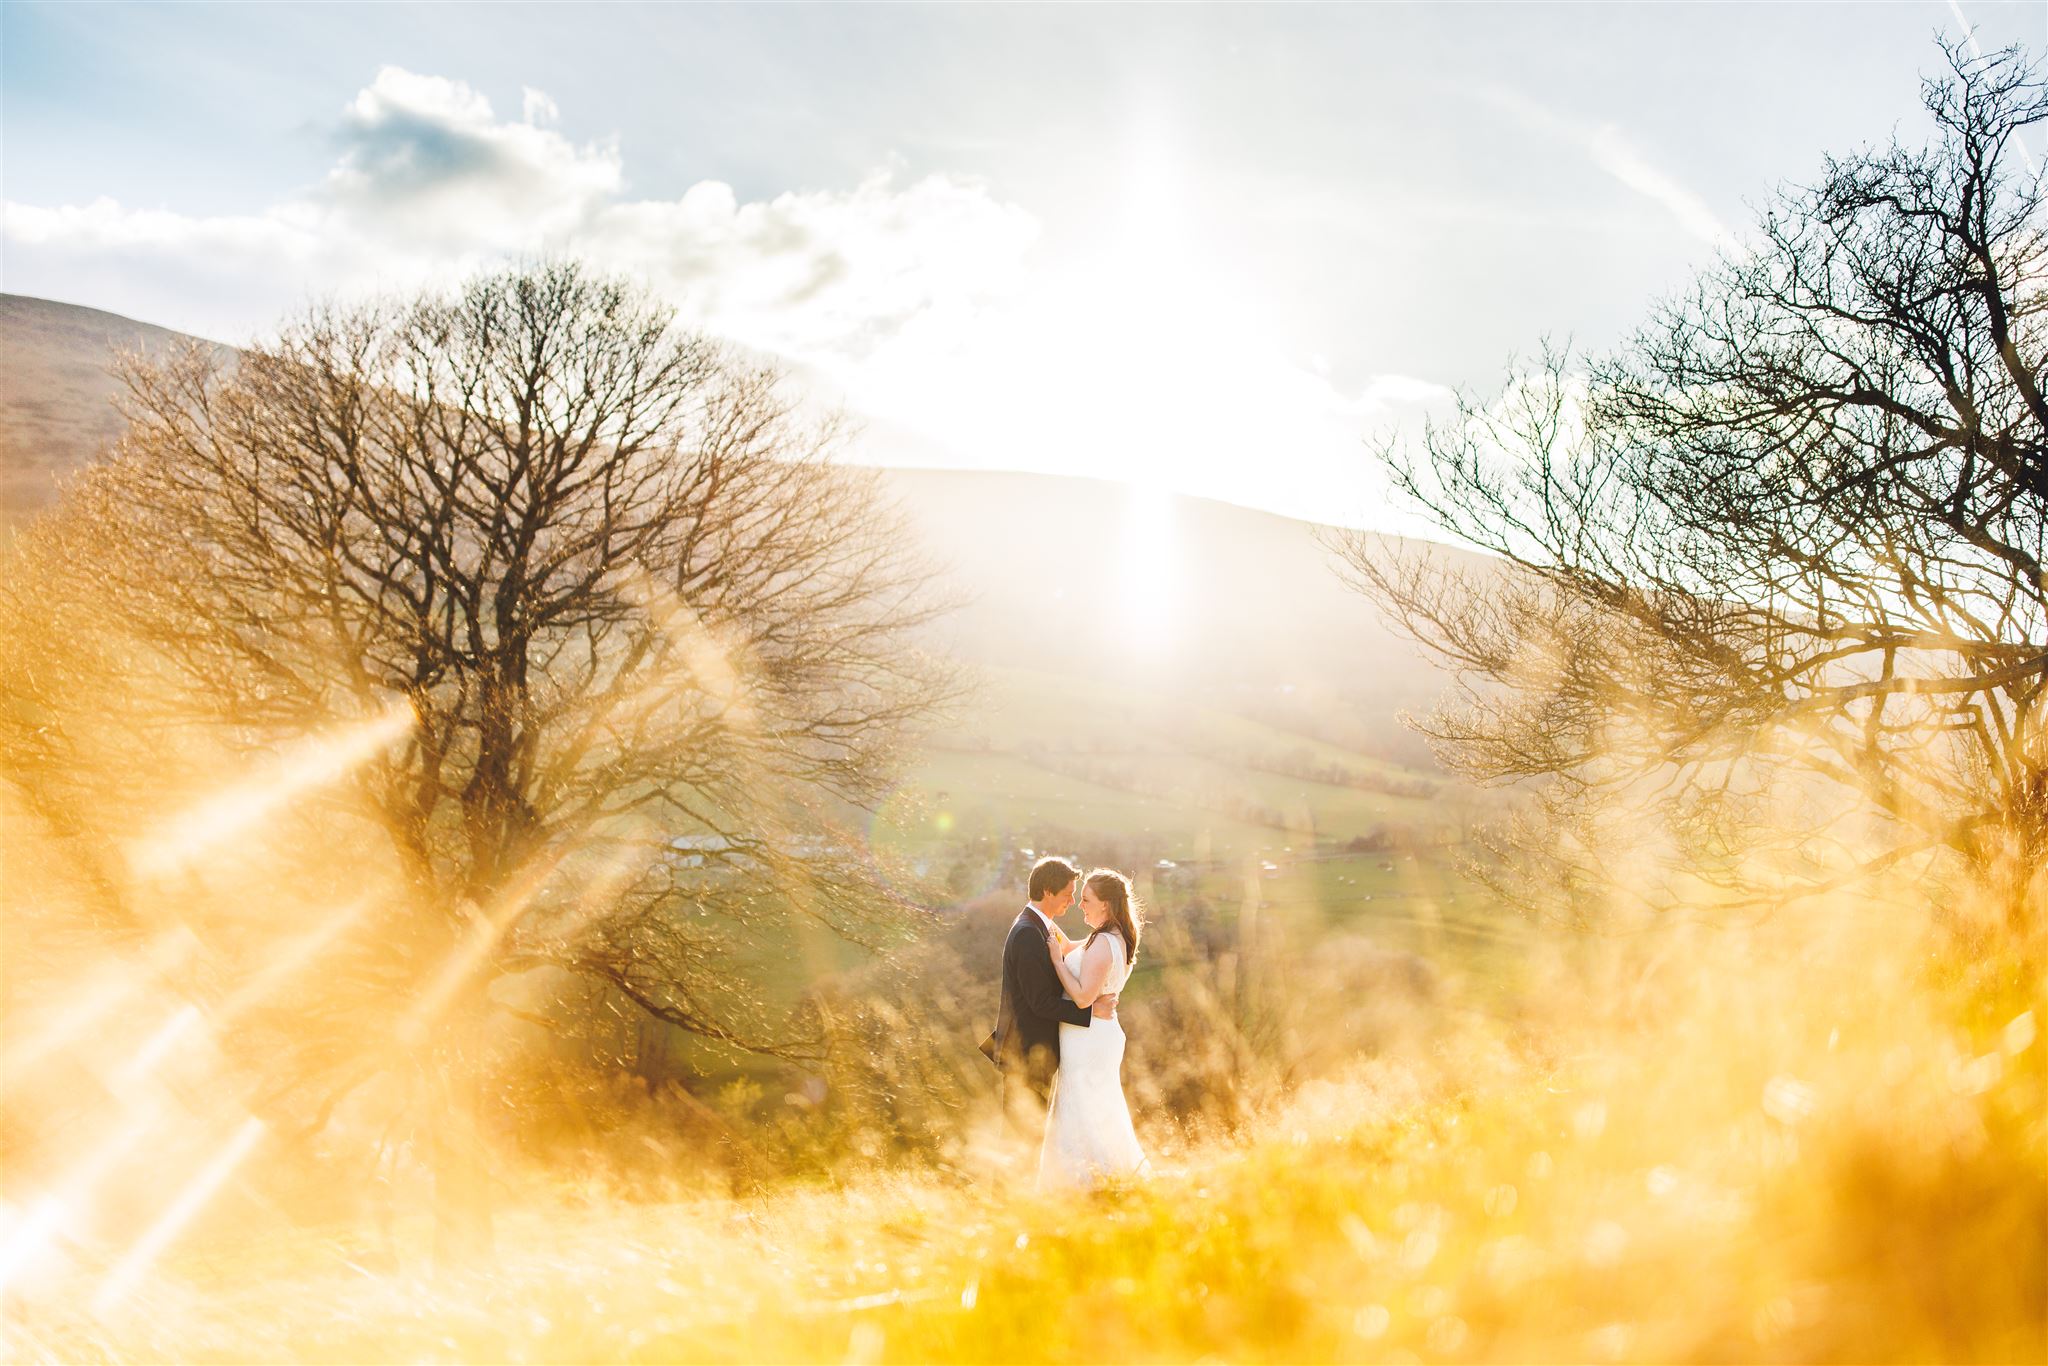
(1050, 875)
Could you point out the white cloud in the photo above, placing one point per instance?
(104, 225)
(925, 305)
(821, 276)
(429, 184)
(209, 274)
(1613, 153)
(1389, 393)
(1611, 150)
(425, 161)
(537, 106)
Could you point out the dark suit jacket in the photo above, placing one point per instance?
(1033, 1004)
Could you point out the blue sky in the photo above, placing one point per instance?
(1211, 248)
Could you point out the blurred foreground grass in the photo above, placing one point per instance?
(1734, 1153)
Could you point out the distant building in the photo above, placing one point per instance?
(694, 851)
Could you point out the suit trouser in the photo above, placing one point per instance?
(1027, 1091)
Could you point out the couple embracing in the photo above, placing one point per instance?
(1058, 1043)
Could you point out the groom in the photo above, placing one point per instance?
(1026, 1045)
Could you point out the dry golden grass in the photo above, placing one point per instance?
(1801, 1143)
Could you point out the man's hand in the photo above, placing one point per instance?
(1104, 1007)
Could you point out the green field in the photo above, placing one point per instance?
(1120, 772)
(1410, 902)
(1016, 707)
(1184, 794)
(1039, 752)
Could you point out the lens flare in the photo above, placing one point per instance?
(289, 962)
(485, 930)
(315, 762)
(98, 998)
(166, 1037)
(202, 1188)
(25, 1242)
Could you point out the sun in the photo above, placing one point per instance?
(1147, 590)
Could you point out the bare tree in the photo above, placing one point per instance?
(621, 646)
(1770, 578)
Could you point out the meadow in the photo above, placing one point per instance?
(1166, 772)
(1714, 1151)
(1391, 1120)
(507, 832)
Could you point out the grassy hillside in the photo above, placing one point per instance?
(1388, 1122)
(56, 395)
(1752, 1170)
(1044, 751)
(1169, 674)
(1155, 679)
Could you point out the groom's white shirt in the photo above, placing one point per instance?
(1032, 907)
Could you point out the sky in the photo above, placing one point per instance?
(1220, 250)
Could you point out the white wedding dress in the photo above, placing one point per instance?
(1088, 1133)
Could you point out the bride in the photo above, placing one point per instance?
(1088, 1134)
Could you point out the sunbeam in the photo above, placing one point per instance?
(22, 1242)
(1029, 753)
(97, 999)
(145, 1113)
(190, 1201)
(73, 1194)
(486, 928)
(292, 959)
(312, 763)
(165, 1038)
(592, 899)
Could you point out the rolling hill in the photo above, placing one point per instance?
(1169, 672)
(56, 395)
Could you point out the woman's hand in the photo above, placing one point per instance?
(1057, 943)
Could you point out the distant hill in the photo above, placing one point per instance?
(56, 394)
(1185, 668)
(1159, 592)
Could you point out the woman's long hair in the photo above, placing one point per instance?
(1125, 914)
